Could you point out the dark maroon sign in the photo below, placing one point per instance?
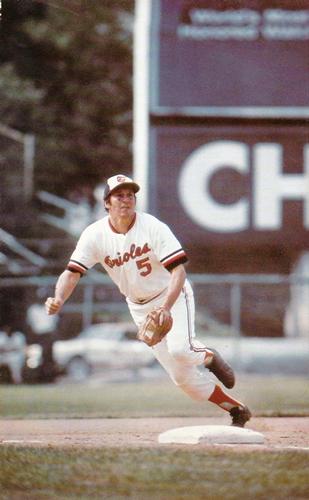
(251, 53)
(232, 185)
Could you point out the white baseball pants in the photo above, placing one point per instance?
(179, 352)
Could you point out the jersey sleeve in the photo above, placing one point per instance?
(85, 254)
(167, 247)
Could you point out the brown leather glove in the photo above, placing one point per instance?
(156, 325)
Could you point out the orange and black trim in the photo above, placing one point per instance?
(174, 259)
(189, 325)
(77, 267)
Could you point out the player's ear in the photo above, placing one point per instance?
(107, 204)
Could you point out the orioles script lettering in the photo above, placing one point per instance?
(135, 251)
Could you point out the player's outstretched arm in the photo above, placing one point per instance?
(178, 276)
(65, 285)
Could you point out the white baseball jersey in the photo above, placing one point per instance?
(138, 262)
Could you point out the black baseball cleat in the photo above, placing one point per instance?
(221, 369)
(240, 415)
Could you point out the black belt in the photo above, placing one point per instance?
(145, 301)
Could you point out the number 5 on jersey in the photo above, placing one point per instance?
(144, 265)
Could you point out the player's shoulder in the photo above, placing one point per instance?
(154, 224)
(148, 218)
(96, 227)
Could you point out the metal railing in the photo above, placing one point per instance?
(236, 282)
(91, 303)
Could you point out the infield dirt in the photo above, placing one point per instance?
(279, 432)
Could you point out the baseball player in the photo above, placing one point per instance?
(146, 261)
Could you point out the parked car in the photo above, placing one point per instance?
(102, 346)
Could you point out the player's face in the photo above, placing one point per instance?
(122, 203)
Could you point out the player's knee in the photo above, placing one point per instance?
(194, 392)
(196, 385)
(179, 378)
(180, 355)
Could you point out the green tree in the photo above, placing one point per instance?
(77, 55)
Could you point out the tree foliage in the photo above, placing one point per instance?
(66, 76)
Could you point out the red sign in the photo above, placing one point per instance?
(233, 185)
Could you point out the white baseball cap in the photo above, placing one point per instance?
(117, 181)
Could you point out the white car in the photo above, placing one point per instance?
(102, 346)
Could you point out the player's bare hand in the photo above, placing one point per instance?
(52, 305)
(164, 315)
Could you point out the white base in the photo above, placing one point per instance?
(214, 434)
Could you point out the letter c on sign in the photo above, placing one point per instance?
(194, 182)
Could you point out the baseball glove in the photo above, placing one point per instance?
(156, 325)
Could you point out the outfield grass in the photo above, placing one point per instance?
(267, 396)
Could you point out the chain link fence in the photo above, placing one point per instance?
(228, 304)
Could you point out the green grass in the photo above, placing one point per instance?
(143, 474)
(265, 395)
(171, 473)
